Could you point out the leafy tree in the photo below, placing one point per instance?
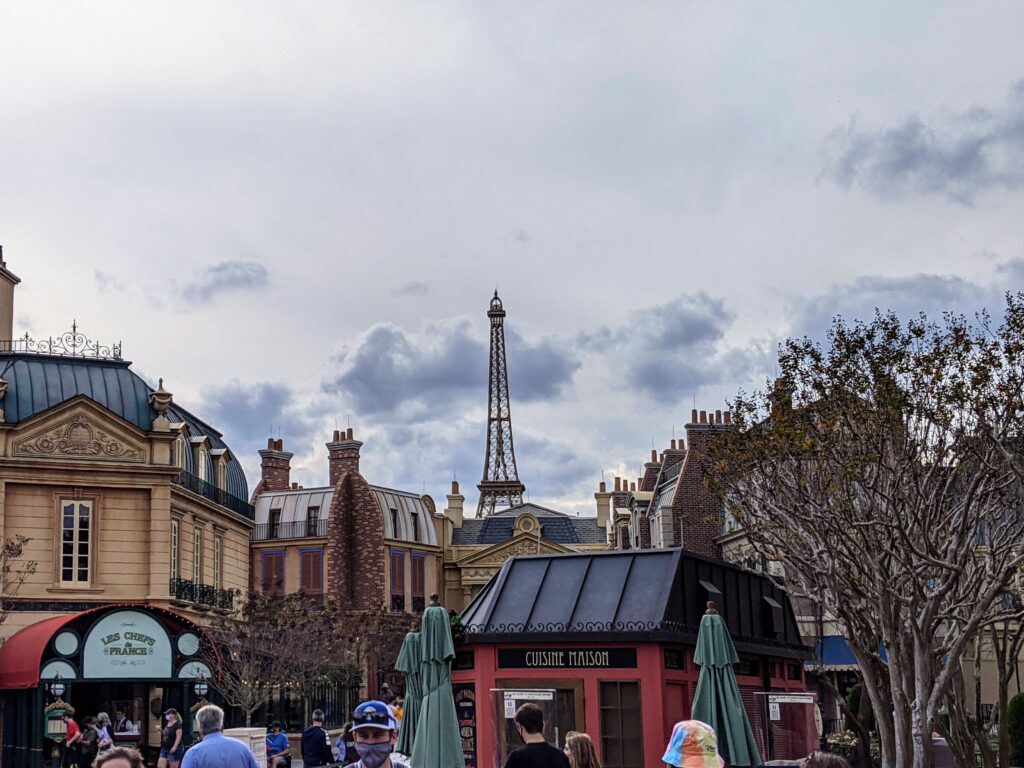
(884, 470)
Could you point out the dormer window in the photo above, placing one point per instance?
(222, 475)
(179, 452)
(203, 460)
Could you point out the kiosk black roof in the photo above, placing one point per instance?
(652, 594)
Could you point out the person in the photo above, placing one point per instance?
(87, 746)
(216, 750)
(277, 746)
(375, 732)
(120, 757)
(385, 694)
(103, 727)
(121, 722)
(171, 748)
(820, 759)
(693, 744)
(536, 752)
(399, 709)
(316, 744)
(580, 751)
(72, 741)
(346, 745)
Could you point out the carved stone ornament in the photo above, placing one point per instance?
(160, 399)
(78, 437)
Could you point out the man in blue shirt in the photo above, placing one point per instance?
(277, 746)
(216, 750)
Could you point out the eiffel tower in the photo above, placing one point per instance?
(500, 487)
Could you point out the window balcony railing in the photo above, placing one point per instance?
(217, 495)
(297, 529)
(188, 591)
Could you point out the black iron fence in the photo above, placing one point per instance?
(298, 529)
(202, 594)
(217, 495)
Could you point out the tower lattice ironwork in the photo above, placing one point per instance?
(500, 486)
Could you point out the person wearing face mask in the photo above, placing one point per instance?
(375, 732)
(536, 752)
(171, 747)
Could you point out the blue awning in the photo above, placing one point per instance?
(834, 655)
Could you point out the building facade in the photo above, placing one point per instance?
(134, 513)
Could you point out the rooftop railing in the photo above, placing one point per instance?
(217, 495)
(297, 529)
(189, 591)
(71, 343)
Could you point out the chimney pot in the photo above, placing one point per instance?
(673, 443)
(632, 486)
(348, 434)
(654, 455)
(455, 487)
(270, 443)
(718, 417)
(728, 417)
(602, 487)
(295, 486)
(337, 436)
(703, 417)
(618, 483)
(693, 416)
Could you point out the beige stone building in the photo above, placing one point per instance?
(475, 548)
(135, 515)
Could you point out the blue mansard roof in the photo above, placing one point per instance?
(37, 383)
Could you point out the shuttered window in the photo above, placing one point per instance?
(312, 572)
(273, 573)
(621, 733)
(419, 582)
(397, 580)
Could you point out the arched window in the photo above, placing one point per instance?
(203, 470)
(222, 475)
(179, 452)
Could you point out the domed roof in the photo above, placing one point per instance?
(37, 383)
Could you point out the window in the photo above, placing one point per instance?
(197, 556)
(621, 734)
(218, 556)
(222, 474)
(175, 547)
(203, 459)
(274, 527)
(75, 541)
(394, 524)
(415, 526)
(419, 581)
(312, 521)
(397, 580)
(273, 573)
(179, 452)
(312, 572)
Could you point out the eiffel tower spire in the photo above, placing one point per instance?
(500, 486)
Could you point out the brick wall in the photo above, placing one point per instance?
(696, 511)
(342, 455)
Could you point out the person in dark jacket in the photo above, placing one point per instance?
(316, 743)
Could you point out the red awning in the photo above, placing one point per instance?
(22, 654)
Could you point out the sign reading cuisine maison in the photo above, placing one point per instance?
(567, 658)
(127, 644)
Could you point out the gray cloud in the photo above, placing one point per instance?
(972, 153)
(106, 282)
(669, 351)
(441, 369)
(413, 288)
(225, 277)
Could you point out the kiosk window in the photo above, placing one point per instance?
(621, 733)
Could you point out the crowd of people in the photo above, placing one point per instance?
(367, 741)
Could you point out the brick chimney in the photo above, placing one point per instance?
(7, 282)
(342, 455)
(696, 511)
(275, 466)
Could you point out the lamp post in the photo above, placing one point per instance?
(201, 687)
(57, 687)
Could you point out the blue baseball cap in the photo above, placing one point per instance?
(373, 714)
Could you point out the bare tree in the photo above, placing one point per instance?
(884, 470)
(13, 571)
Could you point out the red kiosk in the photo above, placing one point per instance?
(604, 641)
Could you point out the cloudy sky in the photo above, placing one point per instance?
(295, 213)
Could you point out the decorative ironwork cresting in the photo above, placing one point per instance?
(72, 343)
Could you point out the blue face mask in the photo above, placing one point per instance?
(373, 755)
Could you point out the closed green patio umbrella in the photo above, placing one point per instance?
(409, 663)
(717, 701)
(437, 742)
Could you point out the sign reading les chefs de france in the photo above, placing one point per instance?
(127, 644)
(567, 658)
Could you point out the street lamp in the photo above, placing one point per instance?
(201, 688)
(57, 687)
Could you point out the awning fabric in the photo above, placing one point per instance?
(835, 655)
(22, 653)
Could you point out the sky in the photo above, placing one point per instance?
(296, 213)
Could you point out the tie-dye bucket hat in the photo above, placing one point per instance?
(693, 745)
